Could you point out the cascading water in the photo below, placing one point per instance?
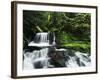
(40, 40)
(38, 58)
(80, 59)
(50, 57)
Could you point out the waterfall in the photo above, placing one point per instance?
(80, 59)
(39, 58)
(36, 59)
(41, 38)
(27, 62)
(48, 56)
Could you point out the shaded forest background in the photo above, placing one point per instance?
(72, 30)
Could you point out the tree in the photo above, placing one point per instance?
(68, 27)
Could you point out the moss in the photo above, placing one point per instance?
(82, 47)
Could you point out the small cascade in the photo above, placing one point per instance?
(39, 58)
(48, 56)
(71, 62)
(41, 38)
(27, 62)
(84, 58)
(36, 59)
(79, 59)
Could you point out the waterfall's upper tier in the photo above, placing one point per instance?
(43, 39)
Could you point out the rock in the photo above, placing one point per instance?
(57, 58)
(70, 52)
(38, 65)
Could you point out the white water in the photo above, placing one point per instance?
(36, 56)
(83, 58)
(28, 61)
(72, 62)
(40, 40)
(40, 58)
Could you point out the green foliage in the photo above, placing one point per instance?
(82, 47)
(72, 30)
(69, 41)
(63, 37)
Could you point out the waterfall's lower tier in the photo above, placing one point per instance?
(47, 58)
(39, 44)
